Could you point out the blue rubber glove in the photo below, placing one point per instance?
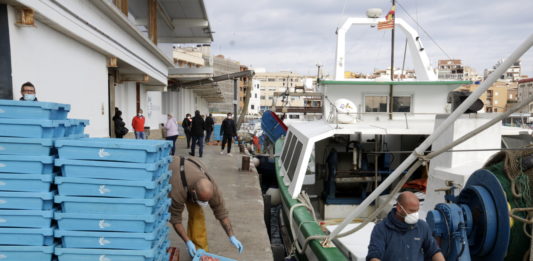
(191, 248)
(237, 243)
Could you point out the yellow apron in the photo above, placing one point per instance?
(196, 230)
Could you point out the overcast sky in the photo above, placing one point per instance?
(295, 35)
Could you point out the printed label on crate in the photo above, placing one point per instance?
(3, 201)
(103, 190)
(2, 220)
(2, 148)
(102, 241)
(2, 183)
(2, 165)
(102, 224)
(2, 111)
(102, 153)
(104, 258)
(2, 256)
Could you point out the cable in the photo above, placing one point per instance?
(421, 27)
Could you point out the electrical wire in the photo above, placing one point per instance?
(424, 30)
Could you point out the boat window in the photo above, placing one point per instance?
(289, 153)
(286, 147)
(375, 103)
(294, 160)
(401, 104)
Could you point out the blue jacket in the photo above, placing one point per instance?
(395, 240)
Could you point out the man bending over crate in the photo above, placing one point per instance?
(193, 188)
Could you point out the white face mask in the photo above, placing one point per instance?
(410, 219)
(203, 204)
(139, 114)
(230, 117)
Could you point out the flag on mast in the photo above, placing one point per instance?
(389, 23)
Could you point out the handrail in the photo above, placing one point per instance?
(524, 47)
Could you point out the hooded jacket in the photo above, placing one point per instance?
(395, 240)
(198, 125)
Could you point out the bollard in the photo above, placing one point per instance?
(245, 163)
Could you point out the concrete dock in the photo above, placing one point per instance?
(242, 195)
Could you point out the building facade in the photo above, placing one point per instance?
(525, 90)
(278, 82)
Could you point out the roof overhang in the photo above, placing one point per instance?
(179, 21)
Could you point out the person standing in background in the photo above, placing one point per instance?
(197, 133)
(209, 123)
(228, 130)
(172, 132)
(27, 90)
(138, 125)
(120, 125)
(187, 124)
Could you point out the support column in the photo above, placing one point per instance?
(137, 97)
(152, 20)
(6, 81)
(122, 5)
(235, 96)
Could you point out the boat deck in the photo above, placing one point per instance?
(242, 195)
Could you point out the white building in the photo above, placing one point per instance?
(255, 100)
(97, 55)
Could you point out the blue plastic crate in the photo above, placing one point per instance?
(216, 133)
(82, 254)
(113, 170)
(27, 236)
(29, 253)
(26, 164)
(112, 222)
(111, 150)
(99, 205)
(76, 128)
(26, 182)
(26, 146)
(33, 110)
(110, 188)
(27, 200)
(112, 240)
(26, 218)
(201, 252)
(167, 145)
(26, 128)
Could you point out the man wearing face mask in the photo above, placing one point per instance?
(228, 130)
(27, 90)
(402, 235)
(193, 188)
(138, 125)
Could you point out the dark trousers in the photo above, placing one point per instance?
(188, 137)
(208, 135)
(229, 139)
(200, 141)
(173, 139)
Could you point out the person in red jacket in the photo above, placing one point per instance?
(138, 125)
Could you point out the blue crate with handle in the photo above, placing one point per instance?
(26, 182)
(27, 236)
(26, 164)
(27, 200)
(26, 146)
(29, 128)
(11, 109)
(26, 218)
(200, 253)
(19, 253)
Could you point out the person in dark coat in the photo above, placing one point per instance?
(209, 123)
(197, 133)
(187, 124)
(228, 130)
(120, 125)
(402, 235)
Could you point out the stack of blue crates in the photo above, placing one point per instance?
(27, 134)
(114, 199)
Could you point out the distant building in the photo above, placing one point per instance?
(271, 82)
(525, 89)
(255, 99)
(512, 74)
(384, 75)
(455, 70)
(496, 97)
(222, 66)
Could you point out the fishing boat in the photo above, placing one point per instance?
(339, 175)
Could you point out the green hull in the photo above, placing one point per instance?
(302, 215)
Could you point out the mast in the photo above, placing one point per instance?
(392, 61)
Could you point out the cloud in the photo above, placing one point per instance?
(295, 35)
